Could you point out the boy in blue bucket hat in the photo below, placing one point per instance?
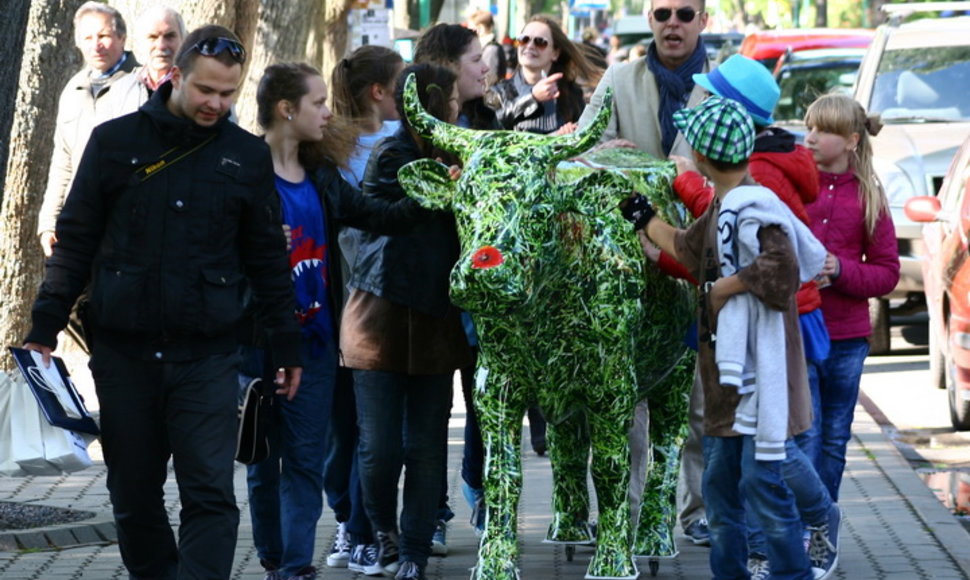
(749, 252)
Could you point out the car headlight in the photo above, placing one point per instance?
(896, 182)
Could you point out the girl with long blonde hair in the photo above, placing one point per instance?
(851, 218)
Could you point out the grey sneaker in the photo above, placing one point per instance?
(698, 533)
(387, 553)
(438, 545)
(339, 556)
(823, 545)
(409, 571)
(758, 567)
(364, 559)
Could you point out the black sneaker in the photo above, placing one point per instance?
(364, 559)
(758, 567)
(305, 573)
(387, 552)
(409, 571)
(698, 533)
(823, 544)
(339, 555)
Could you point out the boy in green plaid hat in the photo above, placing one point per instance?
(750, 254)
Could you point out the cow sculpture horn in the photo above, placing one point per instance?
(460, 141)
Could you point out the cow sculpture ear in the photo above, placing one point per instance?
(429, 183)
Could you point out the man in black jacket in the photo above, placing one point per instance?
(172, 213)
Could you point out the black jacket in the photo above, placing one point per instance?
(522, 112)
(411, 269)
(343, 206)
(167, 247)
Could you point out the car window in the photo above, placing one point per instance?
(800, 86)
(923, 84)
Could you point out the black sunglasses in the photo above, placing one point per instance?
(536, 40)
(685, 14)
(215, 46)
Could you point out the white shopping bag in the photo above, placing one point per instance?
(27, 440)
(8, 465)
(67, 450)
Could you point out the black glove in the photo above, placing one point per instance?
(638, 211)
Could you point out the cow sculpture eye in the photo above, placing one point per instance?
(487, 257)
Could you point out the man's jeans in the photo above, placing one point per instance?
(390, 405)
(731, 472)
(835, 391)
(811, 496)
(286, 489)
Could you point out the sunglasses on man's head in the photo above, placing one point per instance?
(685, 14)
(536, 40)
(216, 46)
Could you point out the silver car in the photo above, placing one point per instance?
(916, 75)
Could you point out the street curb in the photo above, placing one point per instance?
(939, 522)
(99, 529)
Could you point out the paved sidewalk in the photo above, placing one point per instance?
(894, 526)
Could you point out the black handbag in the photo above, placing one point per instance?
(256, 415)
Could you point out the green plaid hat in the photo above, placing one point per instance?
(719, 129)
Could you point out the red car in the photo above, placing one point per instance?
(946, 280)
(768, 46)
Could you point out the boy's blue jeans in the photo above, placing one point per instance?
(835, 391)
(286, 489)
(811, 496)
(730, 473)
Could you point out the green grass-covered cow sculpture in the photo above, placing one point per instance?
(569, 316)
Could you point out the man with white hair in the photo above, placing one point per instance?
(157, 37)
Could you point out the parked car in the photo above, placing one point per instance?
(805, 75)
(916, 75)
(769, 45)
(721, 45)
(946, 280)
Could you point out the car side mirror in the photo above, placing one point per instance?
(923, 208)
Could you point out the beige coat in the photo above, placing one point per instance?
(78, 113)
(635, 104)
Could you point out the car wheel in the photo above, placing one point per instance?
(959, 404)
(879, 318)
(937, 361)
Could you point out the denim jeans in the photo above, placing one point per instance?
(730, 473)
(286, 489)
(389, 406)
(811, 496)
(341, 475)
(835, 391)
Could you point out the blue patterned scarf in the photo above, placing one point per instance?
(675, 87)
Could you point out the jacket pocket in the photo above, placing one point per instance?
(222, 300)
(118, 298)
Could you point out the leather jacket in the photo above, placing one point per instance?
(411, 269)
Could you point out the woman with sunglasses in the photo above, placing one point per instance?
(543, 95)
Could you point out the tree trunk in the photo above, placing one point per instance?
(13, 27)
(49, 60)
(821, 13)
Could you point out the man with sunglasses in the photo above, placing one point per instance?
(172, 215)
(646, 93)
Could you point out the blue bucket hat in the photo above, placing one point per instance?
(746, 81)
(719, 129)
